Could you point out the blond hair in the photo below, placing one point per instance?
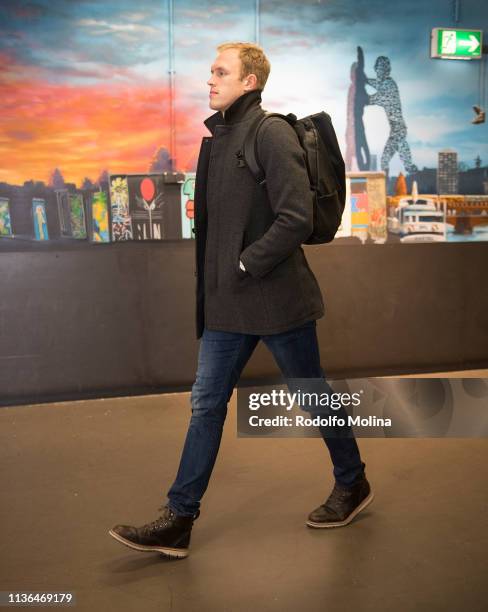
(253, 60)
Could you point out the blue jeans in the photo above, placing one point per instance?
(221, 359)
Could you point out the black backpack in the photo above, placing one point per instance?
(326, 169)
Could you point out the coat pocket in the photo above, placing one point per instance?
(240, 242)
(230, 275)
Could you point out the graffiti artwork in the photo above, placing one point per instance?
(147, 207)
(77, 216)
(63, 212)
(40, 219)
(359, 207)
(137, 206)
(100, 217)
(377, 209)
(5, 223)
(187, 206)
(119, 205)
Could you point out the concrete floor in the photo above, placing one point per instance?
(70, 471)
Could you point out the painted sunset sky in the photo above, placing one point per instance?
(84, 83)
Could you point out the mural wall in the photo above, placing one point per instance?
(102, 104)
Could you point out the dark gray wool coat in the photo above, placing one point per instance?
(235, 218)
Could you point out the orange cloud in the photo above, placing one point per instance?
(84, 129)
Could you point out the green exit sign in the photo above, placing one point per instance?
(451, 43)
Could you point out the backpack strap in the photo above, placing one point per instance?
(250, 147)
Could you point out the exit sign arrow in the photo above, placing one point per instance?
(473, 43)
(453, 43)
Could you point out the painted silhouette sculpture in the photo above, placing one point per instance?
(386, 96)
(357, 150)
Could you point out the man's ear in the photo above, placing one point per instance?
(250, 82)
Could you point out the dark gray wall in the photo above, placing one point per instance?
(119, 318)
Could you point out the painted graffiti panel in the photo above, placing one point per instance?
(188, 206)
(77, 216)
(5, 222)
(100, 226)
(40, 219)
(119, 204)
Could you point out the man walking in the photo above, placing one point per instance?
(253, 283)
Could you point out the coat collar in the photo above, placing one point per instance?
(236, 111)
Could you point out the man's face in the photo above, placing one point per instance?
(225, 82)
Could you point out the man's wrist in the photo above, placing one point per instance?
(242, 266)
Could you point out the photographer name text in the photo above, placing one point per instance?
(330, 421)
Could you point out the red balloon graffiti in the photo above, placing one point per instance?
(147, 189)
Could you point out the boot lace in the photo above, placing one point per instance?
(161, 522)
(164, 520)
